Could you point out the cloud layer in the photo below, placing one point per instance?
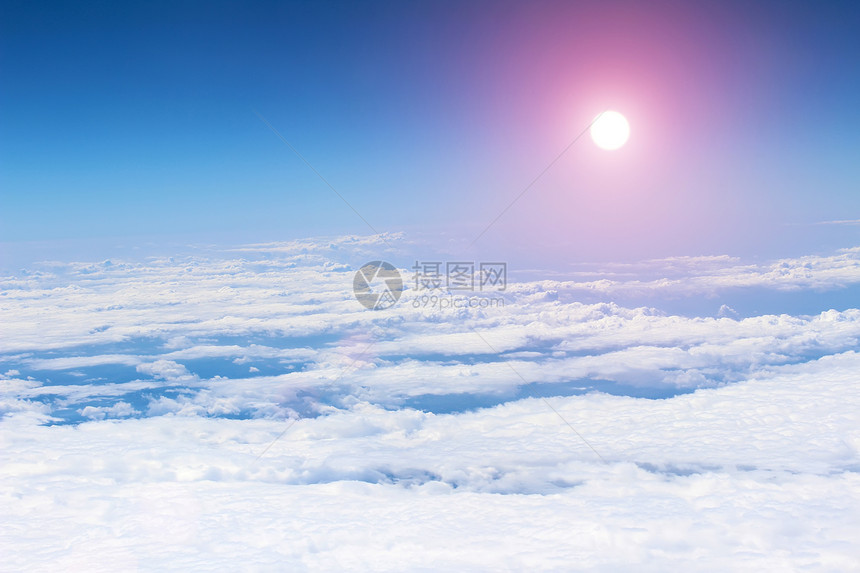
(243, 411)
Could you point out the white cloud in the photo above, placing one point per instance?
(688, 276)
(69, 362)
(840, 222)
(118, 410)
(726, 311)
(749, 476)
(755, 470)
(166, 370)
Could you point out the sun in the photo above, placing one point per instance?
(610, 131)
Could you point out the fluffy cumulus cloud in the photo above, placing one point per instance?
(166, 370)
(241, 410)
(117, 410)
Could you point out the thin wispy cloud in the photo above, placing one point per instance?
(840, 222)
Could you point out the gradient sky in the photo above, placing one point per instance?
(137, 120)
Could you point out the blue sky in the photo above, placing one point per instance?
(136, 120)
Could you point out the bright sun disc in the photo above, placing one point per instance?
(610, 131)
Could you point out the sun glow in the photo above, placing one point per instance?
(610, 131)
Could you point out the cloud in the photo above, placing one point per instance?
(731, 477)
(118, 410)
(711, 277)
(166, 379)
(840, 222)
(70, 362)
(167, 370)
(188, 321)
(726, 311)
